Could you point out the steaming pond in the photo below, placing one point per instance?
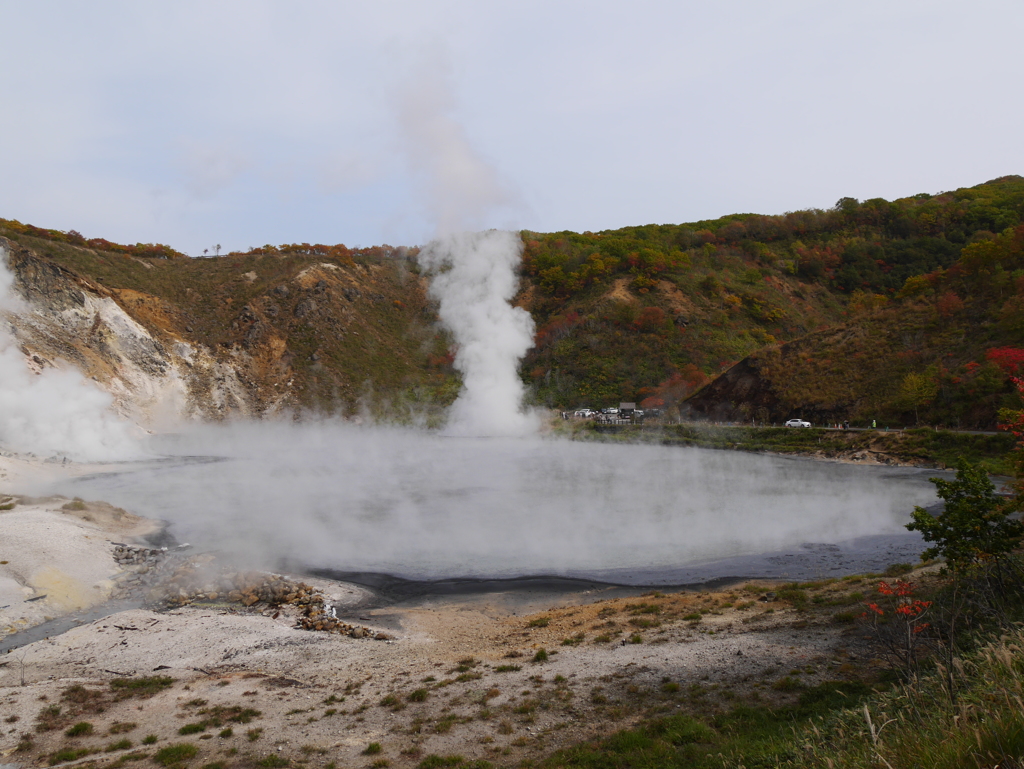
(427, 507)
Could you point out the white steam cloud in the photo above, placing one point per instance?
(474, 280)
(423, 505)
(56, 412)
(473, 272)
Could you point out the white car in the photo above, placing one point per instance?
(585, 413)
(797, 423)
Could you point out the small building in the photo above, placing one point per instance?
(626, 410)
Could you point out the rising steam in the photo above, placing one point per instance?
(422, 505)
(473, 272)
(56, 412)
(474, 279)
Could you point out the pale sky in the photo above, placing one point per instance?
(193, 123)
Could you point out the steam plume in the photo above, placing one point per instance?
(473, 272)
(55, 412)
(474, 280)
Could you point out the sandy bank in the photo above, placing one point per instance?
(56, 556)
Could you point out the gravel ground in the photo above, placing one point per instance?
(457, 679)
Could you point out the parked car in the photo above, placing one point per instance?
(797, 423)
(610, 412)
(585, 413)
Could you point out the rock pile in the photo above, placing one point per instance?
(166, 579)
(144, 567)
(131, 554)
(316, 613)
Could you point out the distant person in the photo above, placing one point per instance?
(873, 424)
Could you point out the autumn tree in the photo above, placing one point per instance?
(916, 390)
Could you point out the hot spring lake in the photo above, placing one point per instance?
(423, 506)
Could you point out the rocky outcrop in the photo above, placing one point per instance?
(67, 319)
(310, 339)
(823, 377)
(739, 394)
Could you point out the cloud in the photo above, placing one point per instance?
(596, 116)
(210, 168)
(347, 171)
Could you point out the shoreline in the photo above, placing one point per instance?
(504, 670)
(917, 447)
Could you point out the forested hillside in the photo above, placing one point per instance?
(904, 310)
(943, 352)
(648, 313)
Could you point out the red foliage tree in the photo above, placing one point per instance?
(1009, 359)
(650, 320)
(949, 304)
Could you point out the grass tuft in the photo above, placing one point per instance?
(175, 754)
(81, 729)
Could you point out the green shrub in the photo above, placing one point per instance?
(974, 525)
(787, 684)
(68, 754)
(440, 762)
(140, 687)
(273, 761)
(175, 754)
(793, 595)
